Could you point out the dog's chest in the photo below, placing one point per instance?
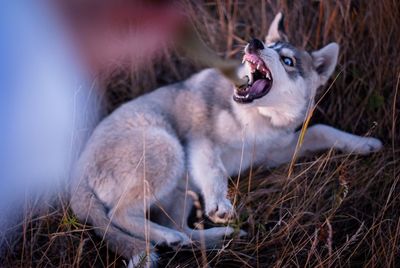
(242, 145)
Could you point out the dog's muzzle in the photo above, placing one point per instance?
(260, 80)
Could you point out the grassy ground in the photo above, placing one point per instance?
(334, 209)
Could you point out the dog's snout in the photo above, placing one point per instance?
(255, 45)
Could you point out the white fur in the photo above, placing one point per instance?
(193, 136)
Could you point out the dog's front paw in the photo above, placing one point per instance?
(175, 239)
(366, 145)
(220, 211)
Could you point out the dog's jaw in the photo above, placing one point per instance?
(259, 80)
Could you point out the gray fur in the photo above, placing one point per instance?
(191, 136)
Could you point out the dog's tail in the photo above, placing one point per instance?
(89, 209)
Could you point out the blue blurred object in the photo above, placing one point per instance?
(46, 106)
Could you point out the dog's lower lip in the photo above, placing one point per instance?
(241, 99)
(248, 93)
(247, 96)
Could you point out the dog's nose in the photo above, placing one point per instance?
(255, 45)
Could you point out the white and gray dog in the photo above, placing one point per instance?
(194, 135)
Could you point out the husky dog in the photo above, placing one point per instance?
(131, 180)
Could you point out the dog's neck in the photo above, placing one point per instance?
(255, 121)
(267, 117)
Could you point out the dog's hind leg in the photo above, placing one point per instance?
(128, 174)
(174, 212)
(88, 208)
(138, 225)
(155, 176)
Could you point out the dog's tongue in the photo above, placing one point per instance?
(258, 86)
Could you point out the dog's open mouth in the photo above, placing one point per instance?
(260, 80)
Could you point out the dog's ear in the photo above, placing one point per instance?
(276, 30)
(324, 61)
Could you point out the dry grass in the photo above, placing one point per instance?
(334, 210)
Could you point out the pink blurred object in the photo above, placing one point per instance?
(50, 51)
(109, 33)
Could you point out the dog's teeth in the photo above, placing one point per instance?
(243, 61)
(268, 75)
(258, 66)
(250, 82)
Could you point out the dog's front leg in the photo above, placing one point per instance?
(322, 137)
(209, 175)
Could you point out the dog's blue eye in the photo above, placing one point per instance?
(288, 61)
